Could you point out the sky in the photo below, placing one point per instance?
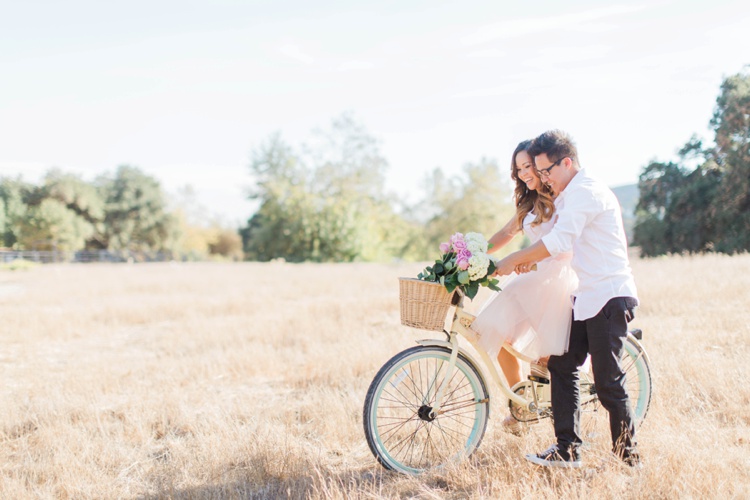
(187, 90)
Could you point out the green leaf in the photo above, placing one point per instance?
(439, 268)
(463, 277)
(471, 290)
(450, 287)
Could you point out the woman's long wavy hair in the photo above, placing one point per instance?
(527, 200)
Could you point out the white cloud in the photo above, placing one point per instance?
(527, 27)
(189, 102)
(488, 53)
(562, 54)
(294, 52)
(356, 66)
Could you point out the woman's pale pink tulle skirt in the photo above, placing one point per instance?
(532, 312)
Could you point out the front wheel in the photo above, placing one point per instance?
(400, 428)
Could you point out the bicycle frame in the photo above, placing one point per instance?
(460, 325)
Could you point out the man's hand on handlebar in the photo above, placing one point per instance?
(508, 265)
(525, 268)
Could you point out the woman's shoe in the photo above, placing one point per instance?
(510, 424)
(538, 369)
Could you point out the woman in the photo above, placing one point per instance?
(532, 314)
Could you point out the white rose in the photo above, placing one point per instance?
(476, 243)
(478, 265)
(474, 247)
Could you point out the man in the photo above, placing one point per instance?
(590, 224)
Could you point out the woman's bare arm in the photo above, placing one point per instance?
(503, 237)
(528, 255)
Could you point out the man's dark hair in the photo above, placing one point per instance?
(556, 144)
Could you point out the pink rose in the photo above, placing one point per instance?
(464, 254)
(445, 247)
(459, 243)
(463, 264)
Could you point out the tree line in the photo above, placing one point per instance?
(701, 202)
(126, 211)
(323, 201)
(327, 202)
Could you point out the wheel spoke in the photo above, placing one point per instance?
(637, 383)
(401, 433)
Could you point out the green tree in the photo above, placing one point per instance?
(13, 194)
(79, 196)
(135, 215)
(323, 203)
(674, 211)
(283, 226)
(61, 213)
(3, 222)
(731, 123)
(706, 206)
(477, 200)
(50, 225)
(658, 185)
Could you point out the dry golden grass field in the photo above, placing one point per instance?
(247, 381)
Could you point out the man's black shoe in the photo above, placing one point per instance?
(555, 457)
(632, 459)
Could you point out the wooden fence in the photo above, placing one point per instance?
(52, 256)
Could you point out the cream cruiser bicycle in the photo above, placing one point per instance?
(429, 405)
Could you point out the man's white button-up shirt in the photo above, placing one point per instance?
(589, 222)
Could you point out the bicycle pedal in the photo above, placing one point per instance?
(540, 380)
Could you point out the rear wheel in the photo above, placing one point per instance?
(637, 383)
(635, 364)
(402, 432)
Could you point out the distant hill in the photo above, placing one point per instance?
(628, 197)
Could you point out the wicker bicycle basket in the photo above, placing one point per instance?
(424, 304)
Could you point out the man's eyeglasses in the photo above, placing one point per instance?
(544, 172)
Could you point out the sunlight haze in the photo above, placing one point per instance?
(186, 90)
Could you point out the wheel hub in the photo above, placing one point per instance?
(425, 413)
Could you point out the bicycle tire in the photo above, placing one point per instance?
(399, 431)
(638, 375)
(635, 364)
(638, 385)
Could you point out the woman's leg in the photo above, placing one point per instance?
(510, 366)
(512, 371)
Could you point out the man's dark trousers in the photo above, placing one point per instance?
(602, 336)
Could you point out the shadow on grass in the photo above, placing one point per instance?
(317, 484)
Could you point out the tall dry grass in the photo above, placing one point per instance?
(247, 381)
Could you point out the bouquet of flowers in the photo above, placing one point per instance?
(464, 265)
